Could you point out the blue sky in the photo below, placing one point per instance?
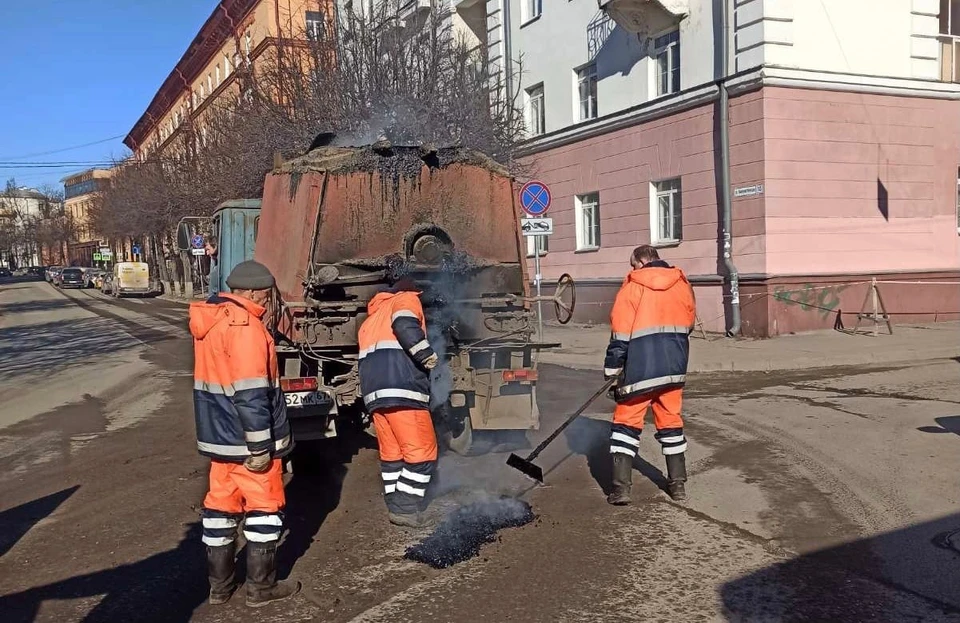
(78, 71)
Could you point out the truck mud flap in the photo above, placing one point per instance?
(503, 406)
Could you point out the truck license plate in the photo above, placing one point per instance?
(306, 399)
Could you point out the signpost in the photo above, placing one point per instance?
(196, 245)
(535, 199)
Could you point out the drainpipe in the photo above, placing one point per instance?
(730, 270)
(507, 26)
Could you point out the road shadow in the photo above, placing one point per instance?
(590, 438)
(167, 586)
(314, 491)
(911, 574)
(33, 306)
(947, 424)
(16, 522)
(52, 346)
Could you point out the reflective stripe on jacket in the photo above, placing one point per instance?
(237, 400)
(393, 347)
(650, 331)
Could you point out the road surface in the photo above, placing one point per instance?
(815, 495)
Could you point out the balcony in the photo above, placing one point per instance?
(646, 17)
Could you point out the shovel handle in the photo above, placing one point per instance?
(543, 444)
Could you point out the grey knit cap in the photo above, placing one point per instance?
(251, 275)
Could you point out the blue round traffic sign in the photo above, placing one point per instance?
(535, 198)
(197, 242)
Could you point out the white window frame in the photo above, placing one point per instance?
(210, 83)
(219, 78)
(530, 10)
(665, 53)
(536, 117)
(583, 75)
(958, 200)
(587, 240)
(248, 43)
(544, 245)
(671, 190)
(226, 66)
(315, 28)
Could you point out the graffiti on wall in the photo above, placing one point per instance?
(821, 299)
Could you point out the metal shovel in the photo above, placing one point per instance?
(525, 465)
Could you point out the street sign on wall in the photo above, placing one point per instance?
(536, 226)
(535, 198)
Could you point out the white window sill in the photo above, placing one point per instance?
(664, 244)
(530, 20)
(587, 250)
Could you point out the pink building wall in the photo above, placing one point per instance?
(835, 162)
(854, 185)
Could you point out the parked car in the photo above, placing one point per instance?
(90, 277)
(37, 272)
(5, 272)
(71, 278)
(106, 283)
(51, 273)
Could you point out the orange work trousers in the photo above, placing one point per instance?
(666, 410)
(235, 489)
(405, 435)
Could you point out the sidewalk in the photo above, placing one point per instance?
(584, 347)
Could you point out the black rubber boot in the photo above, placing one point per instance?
(622, 479)
(262, 585)
(221, 565)
(676, 476)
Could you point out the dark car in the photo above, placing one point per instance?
(71, 278)
(5, 272)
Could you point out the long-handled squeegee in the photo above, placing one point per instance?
(526, 465)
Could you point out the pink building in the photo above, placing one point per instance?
(844, 152)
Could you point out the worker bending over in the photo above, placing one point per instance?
(395, 360)
(242, 426)
(651, 321)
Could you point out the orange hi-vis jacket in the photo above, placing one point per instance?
(651, 321)
(393, 346)
(238, 403)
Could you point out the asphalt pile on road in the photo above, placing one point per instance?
(464, 531)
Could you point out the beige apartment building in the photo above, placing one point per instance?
(80, 191)
(237, 33)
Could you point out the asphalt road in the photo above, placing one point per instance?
(815, 495)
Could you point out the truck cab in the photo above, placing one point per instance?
(234, 224)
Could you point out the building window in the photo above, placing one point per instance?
(666, 212)
(203, 94)
(218, 75)
(226, 66)
(247, 43)
(537, 241)
(316, 26)
(536, 113)
(209, 83)
(588, 221)
(668, 63)
(587, 91)
(531, 10)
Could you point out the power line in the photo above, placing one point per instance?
(63, 149)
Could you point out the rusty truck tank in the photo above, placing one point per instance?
(337, 225)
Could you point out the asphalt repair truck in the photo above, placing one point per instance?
(339, 224)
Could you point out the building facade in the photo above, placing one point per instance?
(842, 127)
(80, 192)
(237, 33)
(25, 220)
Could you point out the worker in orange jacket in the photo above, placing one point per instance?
(395, 360)
(651, 321)
(242, 426)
